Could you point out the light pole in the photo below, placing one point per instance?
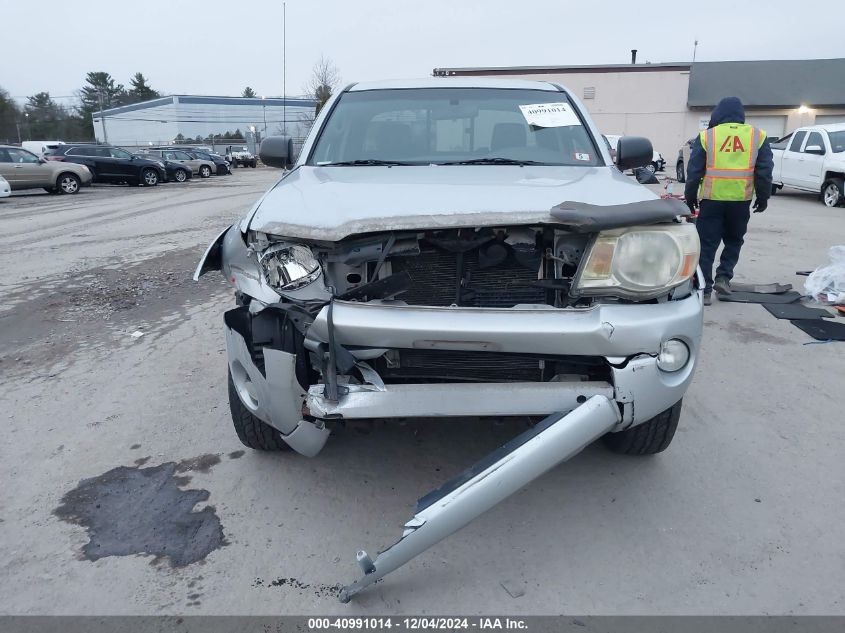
(264, 111)
(28, 132)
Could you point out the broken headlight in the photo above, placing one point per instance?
(288, 267)
(641, 262)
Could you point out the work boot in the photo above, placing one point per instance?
(708, 298)
(722, 286)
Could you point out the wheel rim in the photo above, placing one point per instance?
(831, 195)
(180, 176)
(150, 178)
(679, 172)
(69, 185)
(651, 168)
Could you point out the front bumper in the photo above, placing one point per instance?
(628, 336)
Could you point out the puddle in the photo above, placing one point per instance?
(133, 510)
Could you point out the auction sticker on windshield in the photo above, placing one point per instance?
(549, 114)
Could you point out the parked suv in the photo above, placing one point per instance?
(25, 170)
(460, 247)
(112, 164)
(240, 156)
(197, 165)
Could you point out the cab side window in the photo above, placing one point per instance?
(4, 156)
(795, 145)
(815, 139)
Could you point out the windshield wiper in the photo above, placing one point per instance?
(364, 162)
(492, 161)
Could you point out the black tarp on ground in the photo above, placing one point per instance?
(822, 330)
(760, 297)
(795, 311)
(767, 288)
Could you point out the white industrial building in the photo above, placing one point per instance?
(670, 103)
(162, 121)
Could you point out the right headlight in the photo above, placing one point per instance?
(641, 261)
(289, 266)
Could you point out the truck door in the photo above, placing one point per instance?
(790, 173)
(812, 161)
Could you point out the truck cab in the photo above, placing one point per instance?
(812, 159)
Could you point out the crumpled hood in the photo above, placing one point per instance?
(728, 110)
(332, 203)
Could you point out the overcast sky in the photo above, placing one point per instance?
(216, 47)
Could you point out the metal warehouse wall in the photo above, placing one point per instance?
(162, 121)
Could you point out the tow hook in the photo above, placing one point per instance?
(493, 479)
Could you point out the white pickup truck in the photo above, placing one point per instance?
(812, 159)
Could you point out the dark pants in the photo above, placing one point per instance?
(720, 221)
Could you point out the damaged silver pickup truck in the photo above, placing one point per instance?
(460, 247)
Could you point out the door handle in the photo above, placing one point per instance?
(18, 166)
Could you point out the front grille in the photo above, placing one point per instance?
(434, 275)
(420, 365)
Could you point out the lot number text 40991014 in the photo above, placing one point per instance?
(418, 623)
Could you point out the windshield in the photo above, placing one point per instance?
(423, 126)
(837, 141)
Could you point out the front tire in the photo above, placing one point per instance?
(680, 172)
(649, 437)
(68, 183)
(180, 175)
(651, 168)
(832, 192)
(252, 432)
(205, 171)
(149, 177)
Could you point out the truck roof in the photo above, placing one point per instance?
(454, 82)
(829, 127)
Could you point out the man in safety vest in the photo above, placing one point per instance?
(729, 162)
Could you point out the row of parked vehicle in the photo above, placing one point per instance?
(66, 168)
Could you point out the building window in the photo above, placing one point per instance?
(589, 92)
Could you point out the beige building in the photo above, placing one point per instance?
(670, 103)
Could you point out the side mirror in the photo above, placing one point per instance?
(633, 151)
(276, 151)
(814, 149)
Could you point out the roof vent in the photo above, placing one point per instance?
(633, 55)
(589, 92)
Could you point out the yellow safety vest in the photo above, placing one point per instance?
(731, 155)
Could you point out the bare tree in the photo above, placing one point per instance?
(325, 79)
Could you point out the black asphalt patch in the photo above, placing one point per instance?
(130, 511)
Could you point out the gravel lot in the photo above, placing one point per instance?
(742, 515)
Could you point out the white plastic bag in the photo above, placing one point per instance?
(827, 284)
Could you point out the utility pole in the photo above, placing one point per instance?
(18, 126)
(102, 118)
(284, 69)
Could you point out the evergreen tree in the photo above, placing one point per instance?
(9, 116)
(100, 88)
(140, 90)
(248, 92)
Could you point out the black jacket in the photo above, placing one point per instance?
(729, 110)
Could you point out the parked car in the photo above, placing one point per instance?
(405, 268)
(176, 172)
(5, 188)
(683, 160)
(41, 148)
(221, 165)
(658, 163)
(240, 156)
(197, 165)
(25, 170)
(112, 164)
(812, 159)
